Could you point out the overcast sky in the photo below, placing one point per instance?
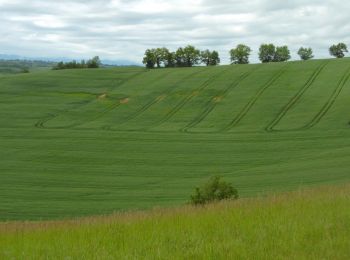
(123, 29)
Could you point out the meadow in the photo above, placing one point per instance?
(95, 141)
(304, 224)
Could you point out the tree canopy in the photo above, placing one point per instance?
(267, 52)
(183, 57)
(271, 53)
(338, 50)
(282, 54)
(240, 54)
(305, 53)
(210, 58)
(93, 63)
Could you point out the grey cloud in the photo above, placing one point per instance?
(123, 29)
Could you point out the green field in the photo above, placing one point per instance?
(311, 224)
(82, 142)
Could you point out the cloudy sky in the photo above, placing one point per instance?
(123, 29)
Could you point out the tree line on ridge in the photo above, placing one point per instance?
(190, 56)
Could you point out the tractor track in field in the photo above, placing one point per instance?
(212, 103)
(327, 106)
(108, 127)
(253, 100)
(157, 99)
(296, 97)
(51, 116)
(188, 98)
(41, 123)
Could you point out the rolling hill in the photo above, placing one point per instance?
(82, 142)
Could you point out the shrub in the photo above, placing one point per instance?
(214, 190)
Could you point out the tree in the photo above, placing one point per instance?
(180, 57)
(214, 190)
(160, 55)
(94, 62)
(214, 59)
(187, 57)
(150, 58)
(305, 53)
(281, 54)
(338, 50)
(240, 54)
(169, 59)
(210, 58)
(267, 53)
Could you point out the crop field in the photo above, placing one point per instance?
(88, 142)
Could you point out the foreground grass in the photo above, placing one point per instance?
(307, 224)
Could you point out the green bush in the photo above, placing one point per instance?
(214, 190)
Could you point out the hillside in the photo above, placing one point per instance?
(309, 224)
(22, 66)
(82, 142)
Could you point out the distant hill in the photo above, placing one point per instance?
(110, 62)
(13, 66)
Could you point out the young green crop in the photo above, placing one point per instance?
(87, 142)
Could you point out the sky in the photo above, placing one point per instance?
(124, 29)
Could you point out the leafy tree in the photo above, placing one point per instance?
(160, 55)
(267, 53)
(150, 58)
(338, 50)
(187, 57)
(281, 54)
(240, 54)
(210, 58)
(214, 190)
(206, 57)
(305, 53)
(94, 62)
(59, 66)
(169, 59)
(180, 57)
(192, 55)
(215, 58)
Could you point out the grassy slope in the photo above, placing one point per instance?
(309, 224)
(80, 142)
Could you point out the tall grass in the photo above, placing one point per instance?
(306, 224)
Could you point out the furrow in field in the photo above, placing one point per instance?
(330, 101)
(188, 98)
(51, 116)
(154, 101)
(108, 127)
(296, 97)
(252, 102)
(41, 123)
(211, 104)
